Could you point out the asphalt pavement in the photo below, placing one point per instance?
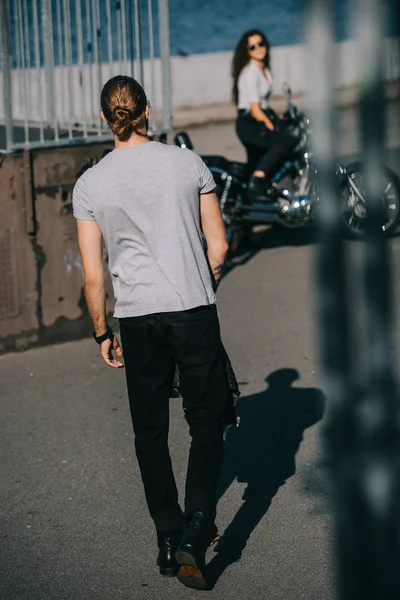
(74, 522)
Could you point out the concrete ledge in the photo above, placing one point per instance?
(220, 113)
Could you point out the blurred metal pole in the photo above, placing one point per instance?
(27, 66)
(38, 66)
(61, 100)
(333, 326)
(68, 64)
(138, 40)
(81, 66)
(21, 63)
(152, 95)
(17, 69)
(330, 254)
(163, 32)
(131, 49)
(48, 47)
(377, 521)
(98, 54)
(6, 54)
(109, 37)
(89, 51)
(123, 35)
(361, 428)
(119, 36)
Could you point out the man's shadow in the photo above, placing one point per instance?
(261, 453)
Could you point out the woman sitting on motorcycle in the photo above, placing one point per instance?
(267, 148)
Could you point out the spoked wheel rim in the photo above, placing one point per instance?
(233, 227)
(354, 210)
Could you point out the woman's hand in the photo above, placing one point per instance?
(259, 115)
(269, 124)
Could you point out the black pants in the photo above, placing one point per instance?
(267, 150)
(151, 346)
(230, 416)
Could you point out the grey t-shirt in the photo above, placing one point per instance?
(146, 201)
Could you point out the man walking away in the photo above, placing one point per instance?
(151, 204)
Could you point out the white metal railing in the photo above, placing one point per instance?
(55, 56)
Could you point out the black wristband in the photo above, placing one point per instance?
(108, 335)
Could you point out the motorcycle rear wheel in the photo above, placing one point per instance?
(353, 206)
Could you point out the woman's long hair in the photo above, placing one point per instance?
(241, 58)
(123, 102)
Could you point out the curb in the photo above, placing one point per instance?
(226, 113)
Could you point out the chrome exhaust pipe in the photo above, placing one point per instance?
(265, 207)
(289, 214)
(270, 219)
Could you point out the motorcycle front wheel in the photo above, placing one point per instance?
(238, 233)
(353, 201)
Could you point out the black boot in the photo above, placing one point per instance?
(168, 542)
(261, 190)
(199, 534)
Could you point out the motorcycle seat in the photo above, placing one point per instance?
(220, 162)
(238, 169)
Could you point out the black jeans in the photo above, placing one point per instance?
(267, 150)
(152, 345)
(230, 416)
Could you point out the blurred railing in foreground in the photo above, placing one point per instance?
(55, 55)
(355, 326)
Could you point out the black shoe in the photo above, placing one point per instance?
(260, 190)
(168, 542)
(199, 535)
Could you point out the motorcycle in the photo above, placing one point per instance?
(294, 186)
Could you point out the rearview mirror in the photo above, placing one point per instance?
(286, 89)
(183, 140)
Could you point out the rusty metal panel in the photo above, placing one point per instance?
(28, 192)
(41, 292)
(60, 280)
(18, 294)
(9, 288)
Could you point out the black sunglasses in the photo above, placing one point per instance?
(261, 44)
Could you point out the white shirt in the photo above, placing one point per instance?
(254, 86)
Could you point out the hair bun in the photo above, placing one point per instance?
(123, 103)
(122, 112)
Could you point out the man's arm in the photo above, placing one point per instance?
(91, 248)
(214, 231)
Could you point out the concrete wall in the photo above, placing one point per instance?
(41, 293)
(197, 81)
(205, 79)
